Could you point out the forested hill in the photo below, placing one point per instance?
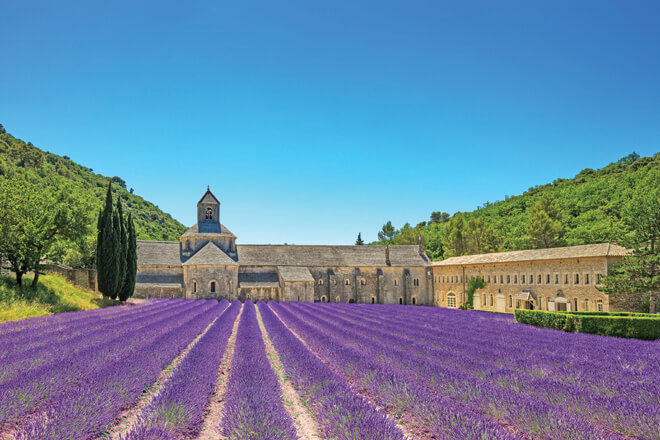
(588, 209)
(49, 170)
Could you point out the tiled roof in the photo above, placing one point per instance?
(194, 230)
(294, 273)
(158, 253)
(159, 285)
(208, 197)
(166, 253)
(210, 254)
(583, 251)
(247, 278)
(328, 256)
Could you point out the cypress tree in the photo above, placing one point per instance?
(122, 241)
(115, 266)
(106, 262)
(131, 262)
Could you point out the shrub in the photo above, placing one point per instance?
(623, 325)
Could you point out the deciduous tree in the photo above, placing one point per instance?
(545, 226)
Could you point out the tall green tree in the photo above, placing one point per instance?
(639, 273)
(359, 240)
(107, 249)
(131, 262)
(454, 241)
(545, 227)
(439, 217)
(387, 233)
(481, 237)
(122, 240)
(33, 219)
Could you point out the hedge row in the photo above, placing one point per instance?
(638, 327)
(647, 315)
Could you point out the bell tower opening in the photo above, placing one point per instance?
(208, 213)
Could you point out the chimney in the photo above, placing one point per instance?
(387, 255)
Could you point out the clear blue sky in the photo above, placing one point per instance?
(315, 120)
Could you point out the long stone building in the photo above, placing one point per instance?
(547, 279)
(207, 262)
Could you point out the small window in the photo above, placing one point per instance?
(298, 298)
(495, 279)
(501, 279)
(491, 300)
(577, 278)
(212, 286)
(539, 279)
(414, 300)
(522, 279)
(575, 304)
(540, 303)
(400, 300)
(373, 300)
(547, 279)
(531, 279)
(338, 299)
(508, 279)
(451, 300)
(566, 279)
(510, 300)
(600, 305)
(320, 281)
(194, 286)
(586, 305)
(515, 280)
(416, 282)
(334, 282)
(363, 282)
(586, 279)
(489, 278)
(599, 278)
(324, 299)
(347, 282)
(557, 278)
(209, 213)
(396, 281)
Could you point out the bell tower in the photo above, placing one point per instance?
(208, 213)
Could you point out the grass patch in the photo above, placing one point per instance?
(53, 295)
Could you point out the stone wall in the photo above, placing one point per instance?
(83, 278)
(301, 291)
(224, 277)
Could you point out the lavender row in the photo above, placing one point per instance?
(390, 385)
(342, 414)
(41, 360)
(609, 394)
(46, 323)
(14, 344)
(21, 360)
(108, 388)
(27, 392)
(254, 408)
(178, 409)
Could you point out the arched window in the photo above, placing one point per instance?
(510, 300)
(416, 282)
(209, 213)
(212, 286)
(298, 298)
(337, 299)
(347, 282)
(515, 279)
(396, 281)
(363, 282)
(522, 279)
(194, 286)
(539, 279)
(324, 299)
(586, 305)
(400, 300)
(451, 300)
(491, 300)
(577, 278)
(334, 282)
(414, 300)
(531, 279)
(547, 279)
(599, 305)
(586, 279)
(575, 303)
(320, 281)
(373, 300)
(508, 279)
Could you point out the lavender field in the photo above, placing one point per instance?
(203, 369)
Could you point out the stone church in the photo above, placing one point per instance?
(207, 262)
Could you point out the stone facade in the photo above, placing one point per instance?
(546, 279)
(207, 263)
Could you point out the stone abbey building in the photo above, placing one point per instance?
(207, 262)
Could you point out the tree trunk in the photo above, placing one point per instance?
(35, 281)
(19, 278)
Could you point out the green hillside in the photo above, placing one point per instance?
(591, 204)
(18, 158)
